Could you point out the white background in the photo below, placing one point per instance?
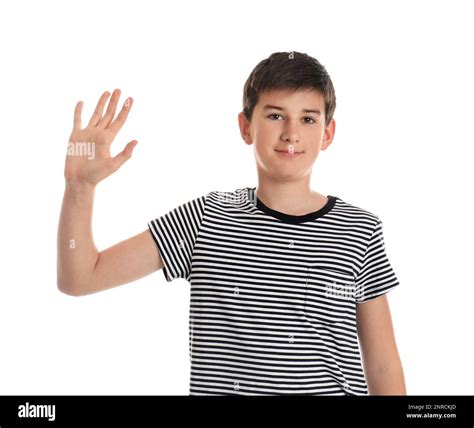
(403, 73)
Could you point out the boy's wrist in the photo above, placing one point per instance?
(79, 186)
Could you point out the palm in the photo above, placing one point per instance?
(88, 157)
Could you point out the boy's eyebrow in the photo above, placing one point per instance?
(305, 110)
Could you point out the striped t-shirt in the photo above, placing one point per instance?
(273, 296)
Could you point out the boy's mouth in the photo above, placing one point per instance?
(289, 153)
(289, 149)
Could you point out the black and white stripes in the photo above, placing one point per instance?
(273, 296)
(175, 235)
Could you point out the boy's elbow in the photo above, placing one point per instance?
(67, 288)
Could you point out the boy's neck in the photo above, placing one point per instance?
(293, 198)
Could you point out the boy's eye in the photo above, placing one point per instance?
(307, 117)
(273, 115)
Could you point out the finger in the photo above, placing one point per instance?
(99, 109)
(110, 113)
(117, 124)
(77, 116)
(124, 155)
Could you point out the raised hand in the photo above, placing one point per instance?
(88, 159)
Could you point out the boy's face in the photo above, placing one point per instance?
(279, 120)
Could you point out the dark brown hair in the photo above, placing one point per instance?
(292, 71)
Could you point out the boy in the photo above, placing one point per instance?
(285, 282)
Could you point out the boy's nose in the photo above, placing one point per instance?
(291, 138)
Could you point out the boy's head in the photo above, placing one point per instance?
(288, 105)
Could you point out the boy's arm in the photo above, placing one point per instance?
(81, 269)
(382, 365)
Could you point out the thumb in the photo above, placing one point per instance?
(124, 155)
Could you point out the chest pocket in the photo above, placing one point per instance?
(330, 295)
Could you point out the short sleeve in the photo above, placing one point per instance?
(376, 275)
(175, 234)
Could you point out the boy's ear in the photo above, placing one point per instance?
(244, 127)
(329, 134)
